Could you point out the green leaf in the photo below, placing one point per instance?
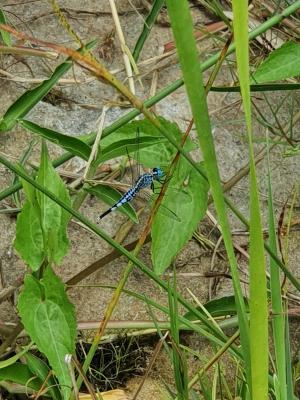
(49, 319)
(29, 241)
(55, 292)
(42, 371)
(42, 224)
(72, 144)
(122, 147)
(111, 196)
(5, 35)
(54, 219)
(281, 64)
(157, 155)
(31, 97)
(169, 236)
(21, 374)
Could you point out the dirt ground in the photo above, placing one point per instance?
(74, 110)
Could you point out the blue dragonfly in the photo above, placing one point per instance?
(144, 181)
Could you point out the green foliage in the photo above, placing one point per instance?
(49, 318)
(72, 144)
(21, 374)
(79, 147)
(282, 63)
(169, 236)
(29, 241)
(40, 369)
(54, 219)
(41, 226)
(127, 146)
(152, 150)
(44, 308)
(158, 154)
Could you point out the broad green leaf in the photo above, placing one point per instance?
(54, 219)
(42, 371)
(5, 35)
(29, 241)
(31, 97)
(21, 374)
(49, 319)
(29, 236)
(127, 146)
(169, 236)
(55, 291)
(180, 196)
(41, 225)
(157, 155)
(110, 196)
(72, 144)
(281, 64)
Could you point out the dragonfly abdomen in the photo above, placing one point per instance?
(143, 182)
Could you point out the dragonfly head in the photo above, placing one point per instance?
(158, 173)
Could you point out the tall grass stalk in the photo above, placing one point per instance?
(277, 314)
(258, 282)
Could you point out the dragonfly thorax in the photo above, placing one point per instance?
(157, 173)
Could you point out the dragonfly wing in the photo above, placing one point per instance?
(168, 212)
(150, 198)
(180, 194)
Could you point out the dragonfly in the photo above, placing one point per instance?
(144, 181)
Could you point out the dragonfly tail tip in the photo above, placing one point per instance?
(104, 214)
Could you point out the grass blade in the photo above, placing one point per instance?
(258, 283)
(5, 35)
(149, 22)
(278, 315)
(178, 358)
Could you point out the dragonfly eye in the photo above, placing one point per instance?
(158, 173)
